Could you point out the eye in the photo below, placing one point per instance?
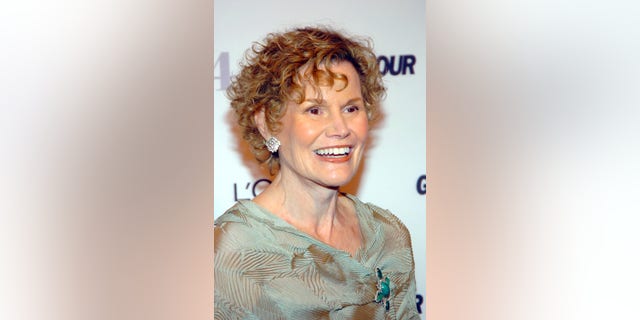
(314, 110)
(351, 109)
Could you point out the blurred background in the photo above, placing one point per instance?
(533, 141)
(106, 159)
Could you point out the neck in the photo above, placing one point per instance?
(305, 205)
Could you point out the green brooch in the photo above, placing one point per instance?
(384, 290)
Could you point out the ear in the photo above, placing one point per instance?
(261, 124)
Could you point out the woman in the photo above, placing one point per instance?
(302, 249)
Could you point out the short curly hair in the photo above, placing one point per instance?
(270, 76)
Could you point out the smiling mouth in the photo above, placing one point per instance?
(334, 152)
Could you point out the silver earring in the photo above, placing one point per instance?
(272, 144)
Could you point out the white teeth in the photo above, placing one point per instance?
(333, 151)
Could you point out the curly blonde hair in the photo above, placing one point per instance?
(271, 75)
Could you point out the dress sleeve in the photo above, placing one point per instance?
(229, 290)
(399, 250)
(239, 274)
(224, 309)
(408, 308)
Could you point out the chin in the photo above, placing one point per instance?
(336, 182)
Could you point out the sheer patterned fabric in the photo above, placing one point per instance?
(264, 268)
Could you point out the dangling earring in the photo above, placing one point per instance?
(272, 144)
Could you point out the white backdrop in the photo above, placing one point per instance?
(394, 168)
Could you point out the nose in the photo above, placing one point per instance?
(338, 126)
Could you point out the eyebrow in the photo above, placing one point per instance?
(323, 101)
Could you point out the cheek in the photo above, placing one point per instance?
(361, 127)
(305, 132)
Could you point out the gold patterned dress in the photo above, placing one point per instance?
(265, 268)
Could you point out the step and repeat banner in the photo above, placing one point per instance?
(393, 171)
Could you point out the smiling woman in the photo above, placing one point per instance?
(322, 139)
(302, 249)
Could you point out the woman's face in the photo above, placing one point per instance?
(323, 138)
